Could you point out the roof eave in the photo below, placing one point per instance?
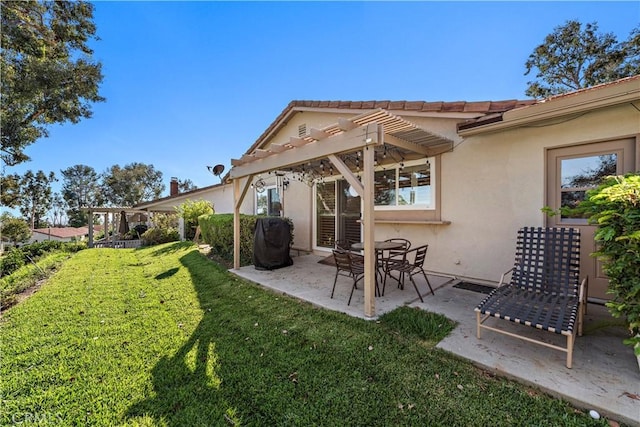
(618, 93)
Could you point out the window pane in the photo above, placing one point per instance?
(587, 171)
(385, 188)
(569, 201)
(414, 186)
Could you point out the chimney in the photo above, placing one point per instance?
(173, 189)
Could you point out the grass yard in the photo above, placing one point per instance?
(163, 336)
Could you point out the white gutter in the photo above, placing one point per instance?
(627, 91)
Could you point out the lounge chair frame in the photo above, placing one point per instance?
(545, 291)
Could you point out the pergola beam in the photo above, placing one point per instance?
(407, 145)
(358, 138)
(347, 174)
(346, 124)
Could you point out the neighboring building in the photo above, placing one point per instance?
(461, 177)
(62, 234)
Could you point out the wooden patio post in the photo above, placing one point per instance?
(236, 223)
(106, 227)
(369, 232)
(90, 215)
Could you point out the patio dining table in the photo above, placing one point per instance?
(379, 246)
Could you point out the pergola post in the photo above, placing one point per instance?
(113, 235)
(106, 227)
(90, 216)
(368, 232)
(236, 223)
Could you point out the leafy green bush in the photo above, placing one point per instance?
(615, 207)
(190, 211)
(217, 232)
(158, 235)
(11, 261)
(36, 249)
(17, 257)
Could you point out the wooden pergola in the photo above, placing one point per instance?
(363, 134)
(109, 212)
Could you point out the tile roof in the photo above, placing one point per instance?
(596, 87)
(479, 107)
(65, 232)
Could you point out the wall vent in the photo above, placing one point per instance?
(302, 130)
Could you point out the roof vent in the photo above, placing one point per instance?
(302, 130)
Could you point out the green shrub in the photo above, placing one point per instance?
(190, 211)
(217, 232)
(34, 250)
(615, 207)
(17, 257)
(158, 235)
(11, 261)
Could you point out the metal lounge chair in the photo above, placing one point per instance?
(545, 291)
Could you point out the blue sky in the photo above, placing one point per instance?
(191, 84)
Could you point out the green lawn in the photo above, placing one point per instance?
(163, 336)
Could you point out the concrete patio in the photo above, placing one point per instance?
(605, 376)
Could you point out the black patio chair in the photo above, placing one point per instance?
(411, 263)
(350, 265)
(393, 254)
(344, 245)
(545, 291)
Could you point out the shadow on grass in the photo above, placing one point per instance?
(172, 248)
(167, 273)
(186, 386)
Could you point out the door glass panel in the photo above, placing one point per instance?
(349, 225)
(577, 176)
(262, 203)
(275, 207)
(587, 171)
(325, 214)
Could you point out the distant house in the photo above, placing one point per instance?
(219, 195)
(61, 234)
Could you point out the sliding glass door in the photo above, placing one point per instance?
(337, 213)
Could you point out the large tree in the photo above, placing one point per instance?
(185, 185)
(10, 186)
(13, 229)
(132, 184)
(47, 71)
(575, 57)
(57, 210)
(35, 196)
(80, 188)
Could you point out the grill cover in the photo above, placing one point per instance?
(272, 239)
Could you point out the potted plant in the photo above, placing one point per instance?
(615, 207)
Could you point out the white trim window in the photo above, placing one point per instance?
(409, 185)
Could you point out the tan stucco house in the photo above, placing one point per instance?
(461, 177)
